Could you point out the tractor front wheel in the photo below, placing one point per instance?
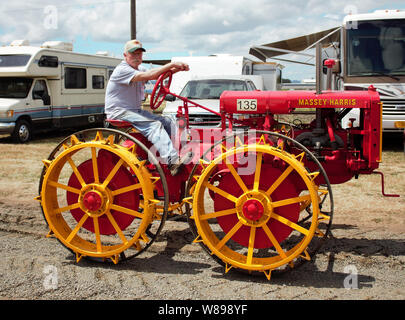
(97, 195)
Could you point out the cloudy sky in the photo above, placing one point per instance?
(177, 27)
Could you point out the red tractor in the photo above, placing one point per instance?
(257, 193)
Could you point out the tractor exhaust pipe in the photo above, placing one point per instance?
(318, 57)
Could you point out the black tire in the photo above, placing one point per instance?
(22, 131)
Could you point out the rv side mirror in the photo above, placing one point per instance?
(325, 66)
(46, 99)
(337, 67)
(170, 98)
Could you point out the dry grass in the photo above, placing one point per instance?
(21, 166)
(361, 202)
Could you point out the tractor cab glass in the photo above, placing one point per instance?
(376, 48)
(14, 87)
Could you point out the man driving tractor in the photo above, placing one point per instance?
(124, 96)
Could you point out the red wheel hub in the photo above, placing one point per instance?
(92, 201)
(253, 209)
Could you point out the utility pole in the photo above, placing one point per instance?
(133, 19)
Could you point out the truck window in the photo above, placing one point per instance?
(98, 82)
(13, 87)
(279, 76)
(48, 61)
(251, 86)
(211, 89)
(39, 90)
(14, 60)
(75, 78)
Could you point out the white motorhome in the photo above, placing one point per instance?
(369, 49)
(48, 87)
(373, 52)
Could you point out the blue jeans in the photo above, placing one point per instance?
(157, 129)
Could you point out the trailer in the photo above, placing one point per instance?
(225, 65)
(51, 87)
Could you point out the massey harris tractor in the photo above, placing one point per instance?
(257, 192)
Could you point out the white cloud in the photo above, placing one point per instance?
(209, 26)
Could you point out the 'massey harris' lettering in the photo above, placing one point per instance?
(327, 102)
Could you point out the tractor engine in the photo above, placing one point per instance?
(343, 152)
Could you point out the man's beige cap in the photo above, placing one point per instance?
(133, 45)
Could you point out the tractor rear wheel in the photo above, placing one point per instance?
(97, 195)
(256, 207)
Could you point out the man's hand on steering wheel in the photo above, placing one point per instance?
(179, 66)
(161, 88)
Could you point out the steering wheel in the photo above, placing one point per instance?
(160, 90)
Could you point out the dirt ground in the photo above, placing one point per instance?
(364, 258)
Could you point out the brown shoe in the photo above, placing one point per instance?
(175, 167)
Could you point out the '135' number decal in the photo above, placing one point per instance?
(246, 104)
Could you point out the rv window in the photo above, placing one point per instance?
(14, 60)
(75, 78)
(98, 82)
(376, 47)
(11, 87)
(48, 61)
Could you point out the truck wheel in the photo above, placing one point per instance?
(22, 131)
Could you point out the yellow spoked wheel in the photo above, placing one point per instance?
(97, 196)
(248, 204)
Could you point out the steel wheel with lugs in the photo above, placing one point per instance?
(97, 195)
(246, 206)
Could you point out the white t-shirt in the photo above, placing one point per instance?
(122, 94)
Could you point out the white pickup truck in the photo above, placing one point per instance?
(206, 92)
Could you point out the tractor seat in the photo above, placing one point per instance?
(119, 123)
